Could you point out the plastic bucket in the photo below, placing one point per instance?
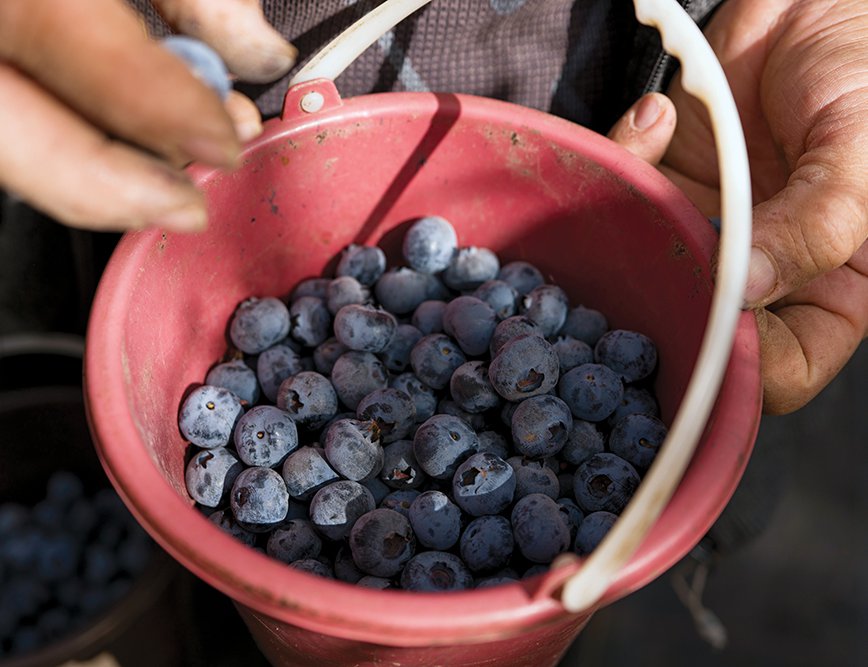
(608, 228)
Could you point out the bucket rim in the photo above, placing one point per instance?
(397, 617)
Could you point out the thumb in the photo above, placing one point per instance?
(646, 128)
(809, 228)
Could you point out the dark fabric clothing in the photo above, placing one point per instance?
(585, 60)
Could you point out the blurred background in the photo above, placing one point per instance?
(780, 581)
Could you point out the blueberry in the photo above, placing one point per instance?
(495, 580)
(134, 553)
(63, 487)
(265, 435)
(541, 425)
(592, 391)
(365, 328)
(400, 290)
(637, 439)
(592, 530)
(447, 406)
(500, 295)
(258, 323)
(510, 328)
(471, 322)
(585, 324)
(259, 497)
(378, 489)
(396, 355)
(356, 374)
(345, 568)
(487, 543)
(377, 583)
(311, 321)
(209, 475)
(353, 448)
(441, 443)
(208, 416)
(237, 377)
(100, 564)
(399, 500)
(428, 316)
(337, 506)
(12, 517)
(344, 291)
(326, 353)
(430, 244)
(525, 366)
(204, 62)
(547, 306)
(533, 477)
(571, 515)
(636, 400)
(493, 442)
(522, 276)
(629, 353)
(435, 519)
(392, 410)
(317, 287)
(400, 468)
(483, 484)
(309, 398)
(57, 557)
(313, 566)
(364, 263)
(382, 542)
(424, 398)
(605, 482)
(572, 352)
(582, 443)
(434, 358)
(471, 389)
(53, 623)
(294, 540)
(305, 471)
(539, 528)
(435, 571)
(274, 365)
(224, 520)
(470, 267)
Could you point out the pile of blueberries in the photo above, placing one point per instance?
(63, 561)
(447, 424)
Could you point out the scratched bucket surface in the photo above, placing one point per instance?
(608, 228)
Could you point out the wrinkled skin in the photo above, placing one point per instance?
(799, 73)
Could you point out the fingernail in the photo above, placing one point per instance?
(186, 219)
(761, 279)
(210, 152)
(647, 112)
(248, 129)
(279, 61)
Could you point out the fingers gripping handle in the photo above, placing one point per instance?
(703, 77)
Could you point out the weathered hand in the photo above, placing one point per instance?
(799, 73)
(96, 120)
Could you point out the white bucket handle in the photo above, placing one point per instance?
(703, 77)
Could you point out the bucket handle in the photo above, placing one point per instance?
(586, 582)
(702, 76)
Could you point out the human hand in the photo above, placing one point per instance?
(97, 120)
(799, 72)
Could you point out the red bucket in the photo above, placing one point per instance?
(608, 228)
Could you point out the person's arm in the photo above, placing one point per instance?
(96, 119)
